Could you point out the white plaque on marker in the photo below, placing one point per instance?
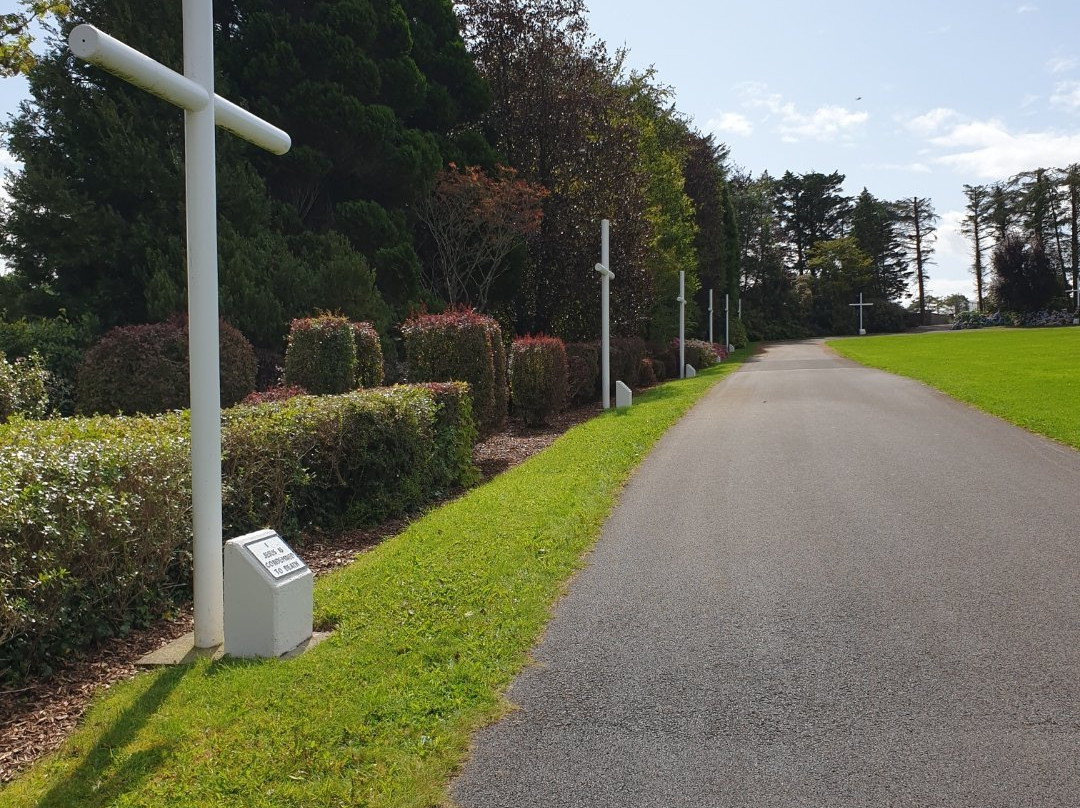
(275, 556)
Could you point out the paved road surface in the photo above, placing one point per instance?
(827, 586)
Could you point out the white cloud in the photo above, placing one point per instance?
(828, 122)
(931, 122)
(1066, 96)
(1061, 64)
(914, 167)
(731, 122)
(988, 150)
(1026, 9)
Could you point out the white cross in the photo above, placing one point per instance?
(605, 306)
(861, 305)
(194, 93)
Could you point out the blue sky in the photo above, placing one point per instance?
(913, 98)
(903, 98)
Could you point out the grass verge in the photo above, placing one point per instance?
(430, 628)
(1030, 377)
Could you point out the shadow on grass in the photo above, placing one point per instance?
(106, 774)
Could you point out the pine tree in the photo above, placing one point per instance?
(874, 227)
(975, 225)
(917, 222)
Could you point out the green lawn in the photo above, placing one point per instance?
(430, 628)
(1030, 377)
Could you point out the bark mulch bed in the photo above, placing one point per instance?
(36, 718)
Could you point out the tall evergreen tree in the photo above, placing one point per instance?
(1024, 277)
(812, 209)
(874, 228)
(918, 225)
(975, 226)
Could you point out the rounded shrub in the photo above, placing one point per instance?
(539, 378)
(144, 369)
(583, 360)
(369, 356)
(321, 355)
(24, 387)
(460, 345)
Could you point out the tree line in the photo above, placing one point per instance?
(444, 153)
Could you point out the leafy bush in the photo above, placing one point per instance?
(335, 462)
(737, 334)
(61, 344)
(369, 356)
(278, 393)
(144, 369)
(583, 364)
(94, 526)
(626, 356)
(699, 353)
(24, 387)
(539, 378)
(465, 346)
(321, 355)
(647, 374)
(1036, 319)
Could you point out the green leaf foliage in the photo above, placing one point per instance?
(369, 356)
(539, 378)
(321, 355)
(95, 528)
(464, 346)
(144, 369)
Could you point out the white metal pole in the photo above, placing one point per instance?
(605, 310)
(710, 317)
(861, 329)
(727, 322)
(682, 325)
(201, 204)
(740, 308)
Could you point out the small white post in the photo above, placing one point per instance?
(605, 305)
(1076, 314)
(861, 306)
(682, 324)
(710, 316)
(740, 308)
(727, 323)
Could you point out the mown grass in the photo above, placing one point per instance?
(1030, 377)
(430, 628)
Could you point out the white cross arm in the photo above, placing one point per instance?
(860, 304)
(98, 48)
(603, 270)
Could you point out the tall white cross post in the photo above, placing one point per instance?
(194, 93)
(1076, 314)
(710, 317)
(861, 306)
(682, 324)
(605, 305)
(727, 322)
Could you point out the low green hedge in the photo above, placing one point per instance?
(95, 529)
(321, 355)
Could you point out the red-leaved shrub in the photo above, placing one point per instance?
(144, 369)
(460, 345)
(539, 378)
(369, 356)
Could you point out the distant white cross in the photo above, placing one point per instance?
(606, 275)
(861, 305)
(194, 93)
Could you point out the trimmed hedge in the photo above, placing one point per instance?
(321, 355)
(539, 378)
(24, 387)
(60, 342)
(334, 462)
(583, 362)
(461, 345)
(143, 369)
(626, 356)
(369, 356)
(699, 353)
(95, 528)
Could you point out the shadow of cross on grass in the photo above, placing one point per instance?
(106, 772)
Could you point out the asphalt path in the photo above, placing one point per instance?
(826, 586)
